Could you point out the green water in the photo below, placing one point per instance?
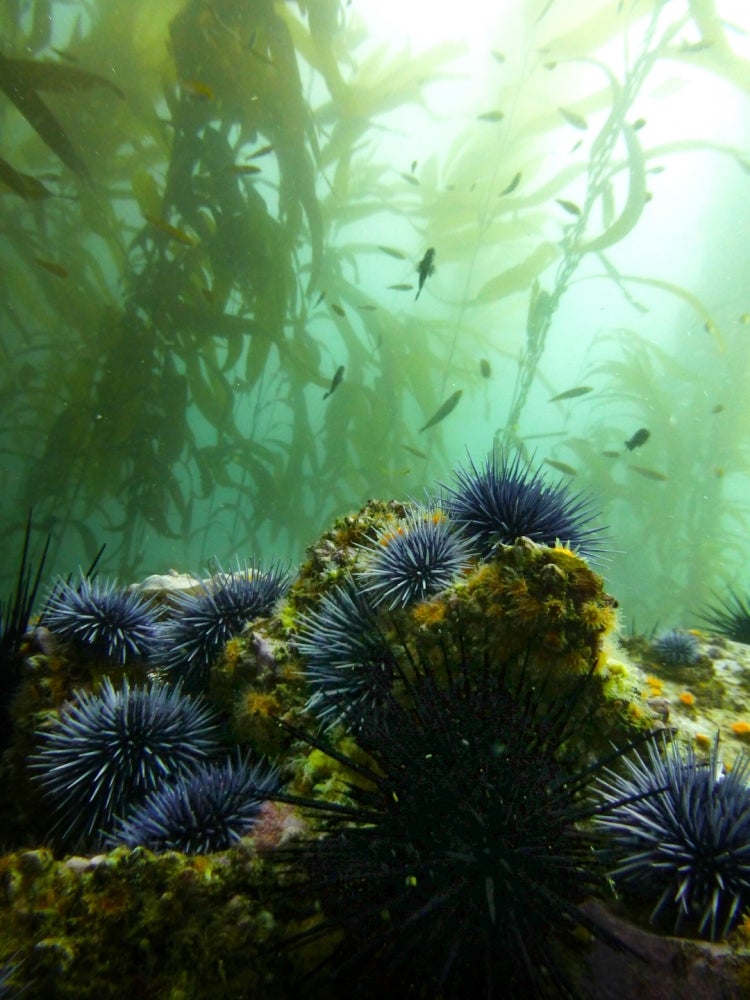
(209, 208)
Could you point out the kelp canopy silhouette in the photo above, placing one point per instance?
(190, 254)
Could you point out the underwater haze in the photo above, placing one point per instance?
(263, 261)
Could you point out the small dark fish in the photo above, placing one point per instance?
(563, 467)
(367, 307)
(640, 437)
(321, 297)
(491, 116)
(336, 381)
(414, 451)
(244, 168)
(179, 235)
(484, 368)
(611, 454)
(497, 56)
(654, 474)
(580, 390)
(442, 411)
(263, 151)
(638, 124)
(570, 206)
(401, 288)
(392, 252)
(425, 268)
(414, 165)
(512, 186)
(337, 309)
(719, 408)
(410, 179)
(53, 267)
(574, 119)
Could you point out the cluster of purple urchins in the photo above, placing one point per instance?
(128, 760)
(679, 833)
(200, 625)
(121, 626)
(107, 751)
(348, 663)
(134, 765)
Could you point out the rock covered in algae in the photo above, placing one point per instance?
(194, 927)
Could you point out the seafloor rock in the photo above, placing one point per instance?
(186, 928)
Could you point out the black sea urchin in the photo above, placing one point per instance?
(730, 617)
(455, 864)
(115, 624)
(108, 750)
(415, 558)
(349, 664)
(675, 647)
(681, 829)
(201, 624)
(506, 500)
(202, 812)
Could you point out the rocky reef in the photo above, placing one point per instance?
(434, 824)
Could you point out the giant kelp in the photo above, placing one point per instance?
(192, 251)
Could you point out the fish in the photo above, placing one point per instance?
(638, 124)
(367, 307)
(611, 454)
(414, 451)
(263, 151)
(491, 116)
(574, 119)
(654, 474)
(393, 252)
(172, 231)
(484, 368)
(336, 381)
(414, 165)
(640, 437)
(442, 411)
(512, 186)
(198, 89)
(719, 408)
(497, 56)
(320, 298)
(563, 467)
(401, 288)
(410, 179)
(580, 390)
(569, 206)
(337, 309)
(425, 268)
(53, 267)
(244, 168)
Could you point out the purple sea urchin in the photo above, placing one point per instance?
(108, 750)
(117, 625)
(414, 559)
(681, 829)
(730, 617)
(348, 661)
(202, 812)
(506, 499)
(457, 855)
(201, 624)
(675, 647)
